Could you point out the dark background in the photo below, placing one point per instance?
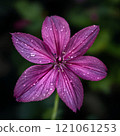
(101, 98)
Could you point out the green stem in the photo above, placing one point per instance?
(55, 107)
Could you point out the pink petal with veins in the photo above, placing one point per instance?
(37, 83)
(56, 33)
(70, 89)
(81, 42)
(88, 67)
(31, 48)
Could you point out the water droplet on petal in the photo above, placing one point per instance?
(34, 83)
(98, 78)
(28, 56)
(63, 52)
(51, 84)
(51, 89)
(44, 94)
(32, 54)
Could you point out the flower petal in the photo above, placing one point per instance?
(88, 67)
(81, 42)
(31, 48)
(55, 33)
(70, 90)
(36, 83)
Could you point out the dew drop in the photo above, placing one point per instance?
(51, 89)
(63, 52)
(50, 28)
(64, 45)
(40, 61)
(51, 84)
(61, 30)
(88, 73)
(71, 57)
(98, 78)
(44, 94)
(32, 54)
(34, 84)
(64, 90)
(73, 48)
(28, 56)
(31, 40)
(24, 85)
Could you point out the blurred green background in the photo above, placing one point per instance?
(101, 98)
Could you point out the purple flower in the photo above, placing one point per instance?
(63, 61)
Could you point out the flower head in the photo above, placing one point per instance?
(63, 61)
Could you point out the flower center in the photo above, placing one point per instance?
(59, 60)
